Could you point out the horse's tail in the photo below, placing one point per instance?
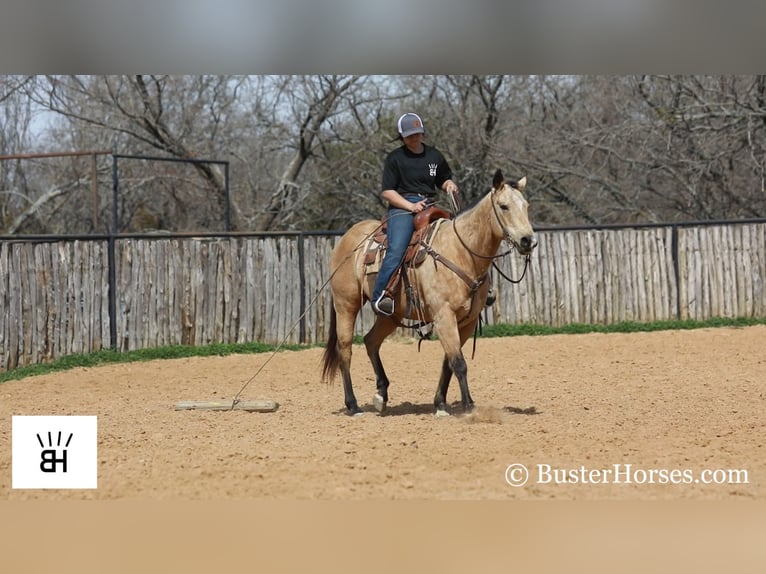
(331, 357)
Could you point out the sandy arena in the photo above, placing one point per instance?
(683, 401)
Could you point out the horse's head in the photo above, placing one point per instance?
(510, 207)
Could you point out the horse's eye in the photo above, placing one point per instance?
(504, 207)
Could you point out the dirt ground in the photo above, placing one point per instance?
(666, 408)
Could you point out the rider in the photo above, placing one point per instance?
(411, 175)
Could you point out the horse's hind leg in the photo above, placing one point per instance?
(374, 338)
(345, 335)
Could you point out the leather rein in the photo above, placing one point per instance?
(483, 278)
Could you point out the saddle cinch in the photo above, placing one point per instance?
(422, 235)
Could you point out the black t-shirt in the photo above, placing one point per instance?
(422, 173)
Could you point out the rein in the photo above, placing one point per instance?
(504, 276)
(507, 238)
(510, 240)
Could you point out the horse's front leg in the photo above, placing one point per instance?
(460, 368)
(373, 340)
(454, 363)
(440, 399)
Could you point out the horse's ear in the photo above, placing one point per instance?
(497, 181)
(521, 184)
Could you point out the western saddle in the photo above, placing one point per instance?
(422, 235)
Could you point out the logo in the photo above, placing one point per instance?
(54, 452)
(432, 169)
(49, 456)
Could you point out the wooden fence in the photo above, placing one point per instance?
(271, 288)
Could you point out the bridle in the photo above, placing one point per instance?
(506, 237)
(474, 284)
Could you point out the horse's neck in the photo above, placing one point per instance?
(477, 230)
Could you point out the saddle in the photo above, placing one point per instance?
(422, 235)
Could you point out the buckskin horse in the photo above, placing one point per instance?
(451, 287)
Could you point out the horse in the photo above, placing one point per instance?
(451, 289)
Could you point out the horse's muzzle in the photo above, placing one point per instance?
(527, 244)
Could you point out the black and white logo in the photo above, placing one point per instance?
(54, 451)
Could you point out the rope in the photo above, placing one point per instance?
(235, 400)
(282, 342)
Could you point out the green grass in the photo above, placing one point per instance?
(624, 327)
(108, 356)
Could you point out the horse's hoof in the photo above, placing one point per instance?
(354, 411)
(441, 413)
(379, 403)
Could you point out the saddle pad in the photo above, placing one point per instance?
(375, 248)
(373, 255)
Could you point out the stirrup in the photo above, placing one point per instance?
(384, 312)
(425, 330)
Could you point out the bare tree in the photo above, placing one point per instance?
(185, 117)
(315, 105)
(16, 115)
(465, 112)
(306, 152)
(709, 144)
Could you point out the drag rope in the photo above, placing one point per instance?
(236, 399)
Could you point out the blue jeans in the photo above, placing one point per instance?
(400, 226)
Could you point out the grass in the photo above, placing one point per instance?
(108, 356)
(623, 327)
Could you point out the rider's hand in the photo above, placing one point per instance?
(419, 206)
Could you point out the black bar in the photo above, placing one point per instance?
(339, 232)
(115, 194)
(228, 200)
(302, 281)
(112, 258)
(674, 254)
(112, 263)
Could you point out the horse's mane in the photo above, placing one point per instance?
(478, 199)
(474, 203)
